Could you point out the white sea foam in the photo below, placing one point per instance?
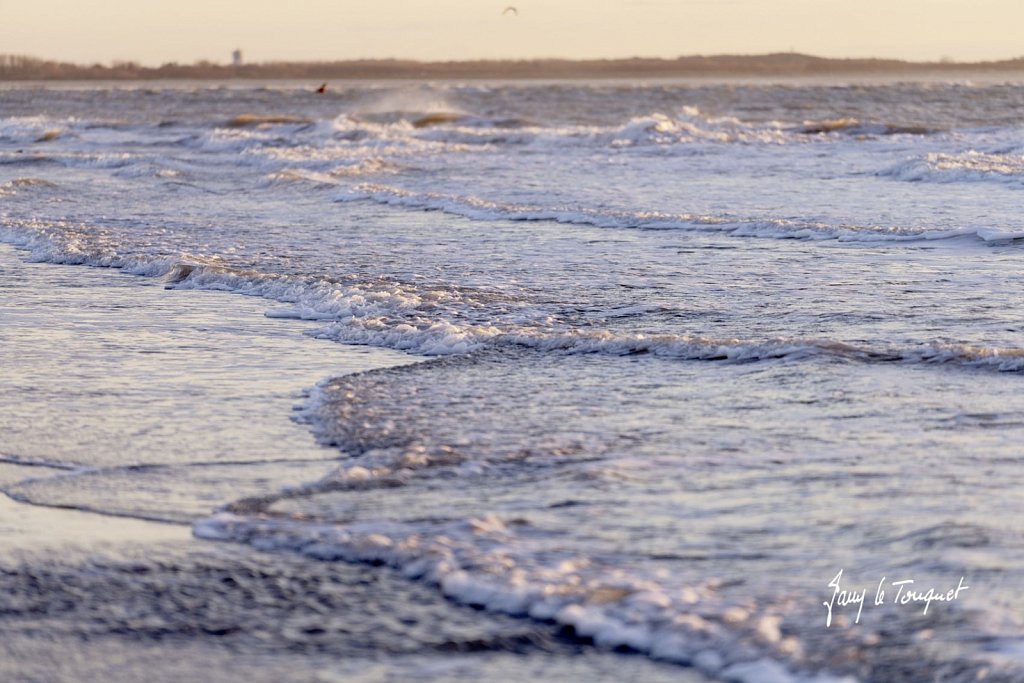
(33, 129)
(969, 166)
(688, 125)
(483, 561)
(483, 209)
(439, 322)
(659, 129)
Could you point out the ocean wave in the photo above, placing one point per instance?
(148, 170)
(485, 562)
(463, 130)
(19, 184)
(530, 566)
(477, 208)
(240, 140)
(684, 126)
(854, 127)
(106, 160)
(32, 129)
(437, 321)
(354, 144)
(367, 166)
(19, 158)
(29, 130)
(341, 147)
(970, 166)
(262, 120)
(445, 338)
(657, 129)
(50, 135)
(404, 430)
(102, 160)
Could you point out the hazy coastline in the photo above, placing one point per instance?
(24, 68)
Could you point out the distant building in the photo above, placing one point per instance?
(236, 58)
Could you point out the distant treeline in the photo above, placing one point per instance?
(17, 67)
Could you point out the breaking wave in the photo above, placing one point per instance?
(854, 127)
(970, 166)
(25, 184)
(482, 562)
(486, 210)
(446, 321)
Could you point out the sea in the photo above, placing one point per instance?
(571, 380)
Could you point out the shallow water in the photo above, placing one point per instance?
(702, 346)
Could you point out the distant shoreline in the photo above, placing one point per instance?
(21, 68)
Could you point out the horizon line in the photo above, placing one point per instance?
(945, 61)
(772, 64)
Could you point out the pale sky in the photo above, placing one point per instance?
(157, 31)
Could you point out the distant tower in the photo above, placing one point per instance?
(236, 58)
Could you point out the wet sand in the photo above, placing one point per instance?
(122, 404)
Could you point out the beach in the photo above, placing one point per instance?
(574, 380)
(101, 576)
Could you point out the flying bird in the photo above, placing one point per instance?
(511, 10)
